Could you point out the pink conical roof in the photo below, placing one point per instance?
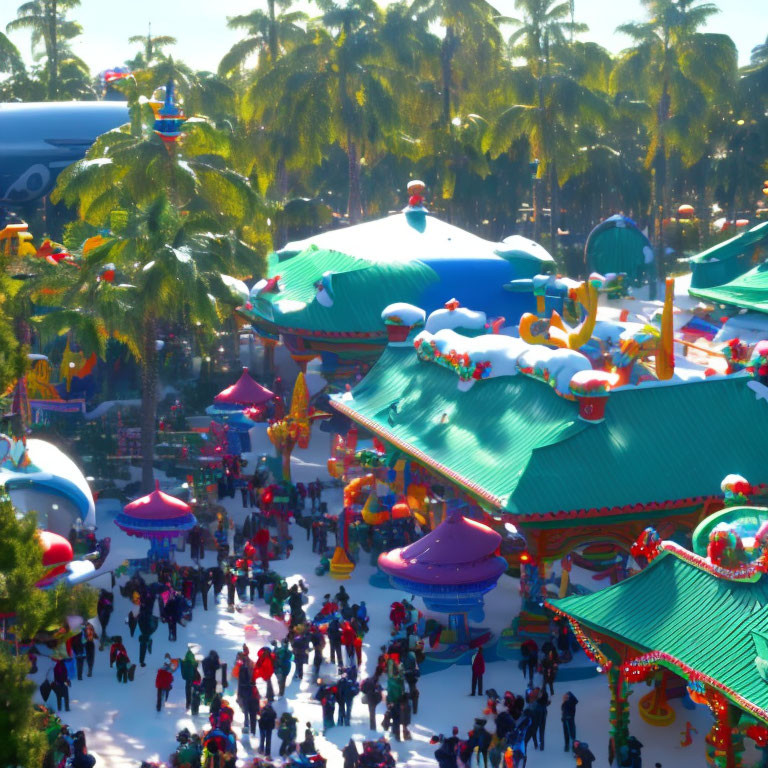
(245, 391)
(458, 551)
(156, 506)
(156, 515)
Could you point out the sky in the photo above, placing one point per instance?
(203, 37)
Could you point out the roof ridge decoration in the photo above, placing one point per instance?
(490, 355)
(731, 554)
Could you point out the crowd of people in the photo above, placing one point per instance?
(325, 649)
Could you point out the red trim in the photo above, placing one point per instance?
(590, 513)
(662, 657)
(283, 330)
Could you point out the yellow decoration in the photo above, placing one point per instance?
(75, 364)
(16, 240)
(39, 385)
(372, 513)
(653, 343)
(296, 427)
(341, 566)
(558, 333)
(665, 354)
(91, 243)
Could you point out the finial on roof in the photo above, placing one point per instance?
(416, 189)
(169, 117)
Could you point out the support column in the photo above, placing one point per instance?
(618, 713)
(723, 750)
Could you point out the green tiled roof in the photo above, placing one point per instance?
(727, 260)
(514, 442)
(748, 291)
(353, 277)
(677, 608)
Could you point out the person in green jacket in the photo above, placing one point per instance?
(395, 686)
(188, 672)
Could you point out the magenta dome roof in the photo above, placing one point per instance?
(459, 551)
(245, 391)
(156, 515)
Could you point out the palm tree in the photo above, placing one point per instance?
(46, 20)
(268, 35)
(172, 273)
(335, 89)
(160, 206)
(10, 58)
(677, 71)
(471, 33)
(553, 107)
(152, 48)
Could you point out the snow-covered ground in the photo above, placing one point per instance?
(123, 728)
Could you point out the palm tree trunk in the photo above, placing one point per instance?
(148, 402)
(281, 172)
(355, 200)
(554, 213)
(537, 214)
(53, 51)
(272, 42)
(447, 51)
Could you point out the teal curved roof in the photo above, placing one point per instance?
(748, 291)
(514, 442)
(407, 257)
(713, 626)
(725, 261)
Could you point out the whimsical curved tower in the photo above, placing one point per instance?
(451, 568)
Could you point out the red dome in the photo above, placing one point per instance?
(56, 549)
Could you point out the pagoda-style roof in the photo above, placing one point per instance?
(691, 620)
(409, 257)
(245, 391)
(516, 444)
(747, 291)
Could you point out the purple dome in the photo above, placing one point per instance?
(458, 552)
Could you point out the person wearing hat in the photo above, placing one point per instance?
(445, 754)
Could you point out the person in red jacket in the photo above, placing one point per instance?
(478, 670)
(163, 683)
(261, 540)
(348, 637)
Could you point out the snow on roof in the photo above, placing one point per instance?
(402, 313)
(238, 288)
(414, 236)
(493, 355)
(518, 245)
(453, 316)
